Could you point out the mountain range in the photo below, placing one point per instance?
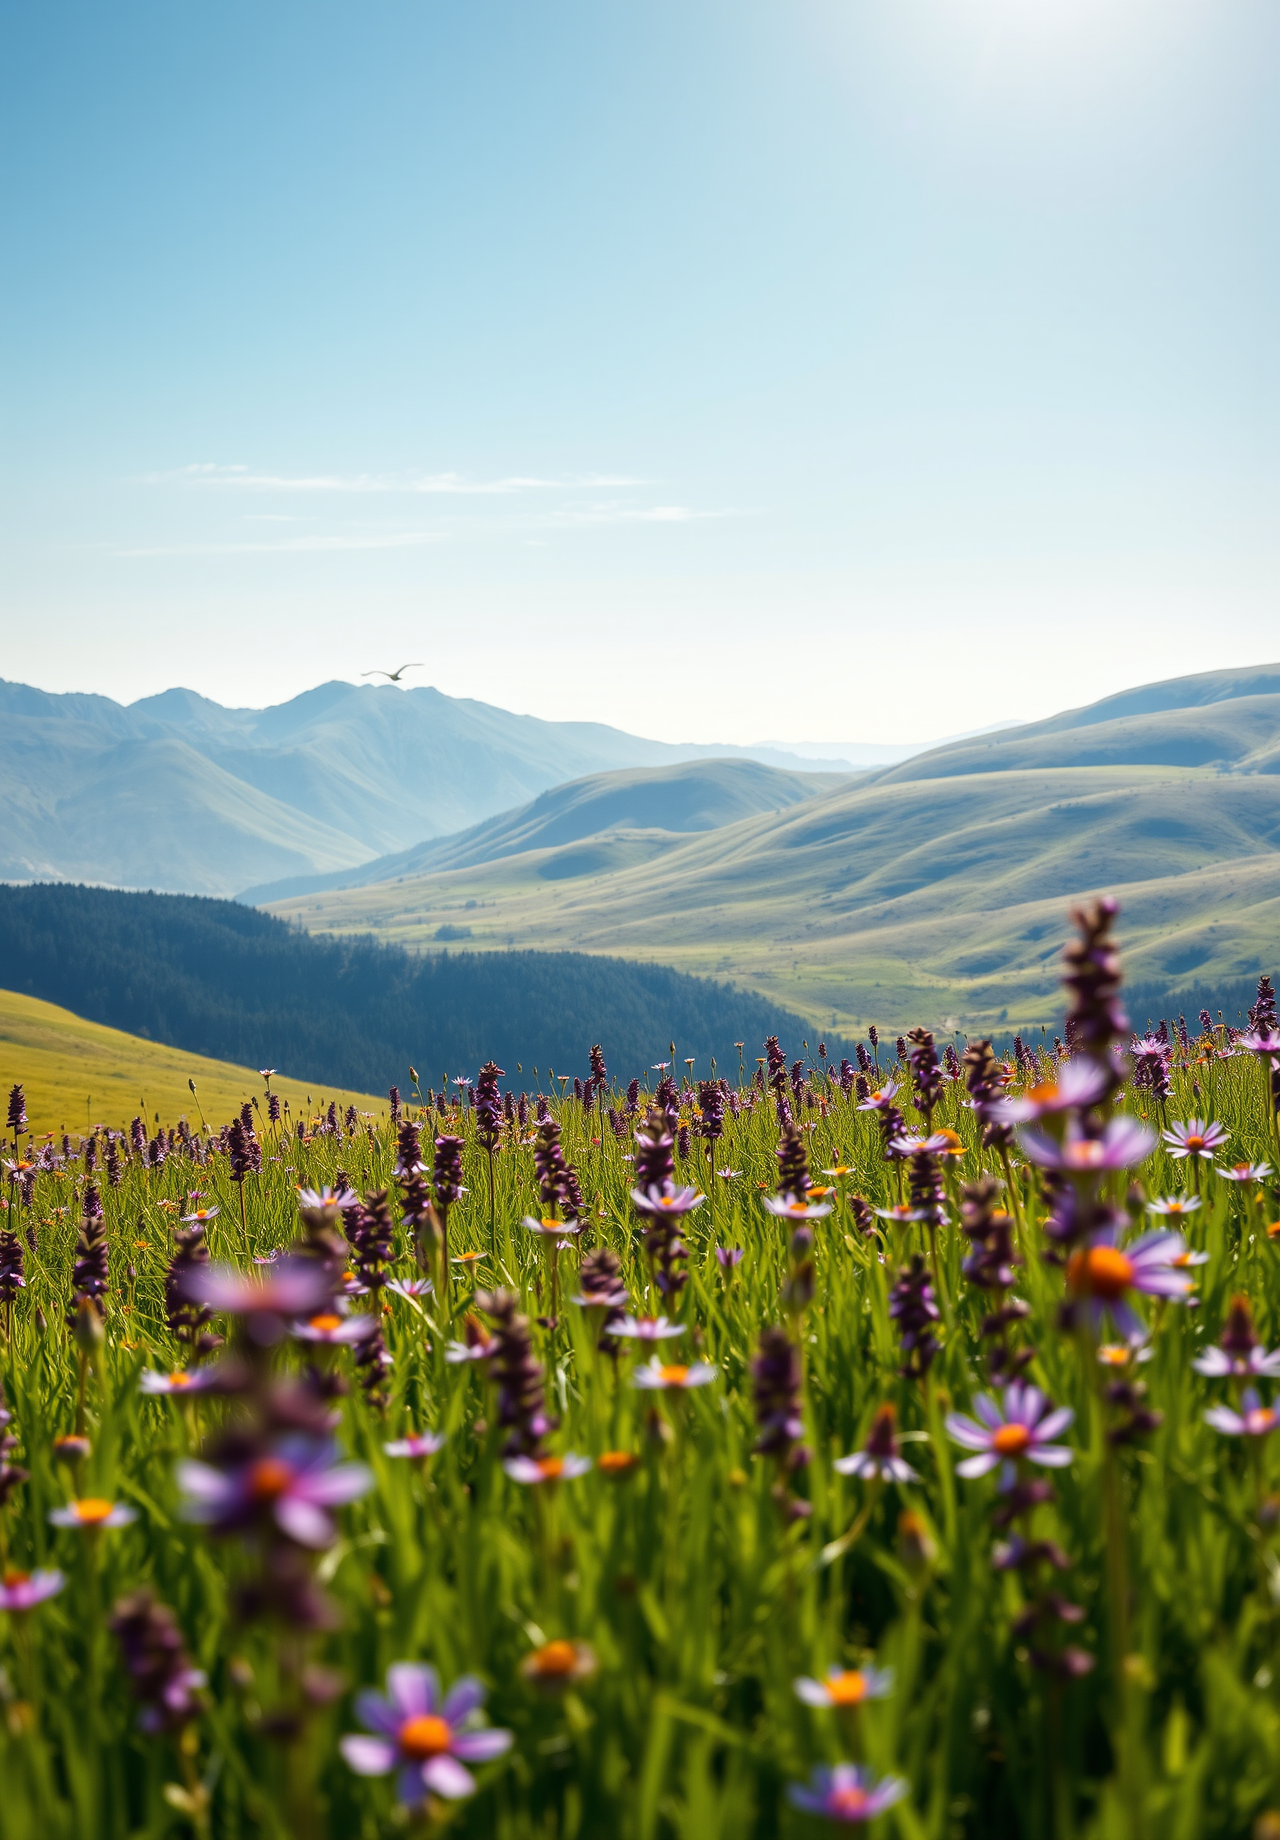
(174, 792)
(931, 889)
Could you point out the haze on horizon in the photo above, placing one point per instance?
(715, 370)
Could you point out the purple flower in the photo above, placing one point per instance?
(1221, 1364)
(1195, 1139)
(849, 1794)
(1080, 1083)
(645, 1328)
(844, 1687)
(675, 1377)
(329, 1327)
(188, 1380)
(879, 1100)
(1173, 1207)
(879, 1456)
(1263, 1041)
(1246, 1172)
(669, 1203)
(1025, 1428)
(795, 1207)
(417, 1444)
(1102, 1272)
(295, 1484)
(1255, 1420)
(728, 1256)
(535, 1470)
(292, 1287)
(410, 1287)
(426, 1741)
(22, 1591)
(1123, 1143)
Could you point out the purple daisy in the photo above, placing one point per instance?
(181, 1380)
(336, 1330)
(1124, 1142)
(1224, 1364)
(795, 1207)
(1253, 1420)
(1196, 1138)
(295, 1484)
(1246, 1172)
(1081, 1082)
(1025, 1428)
(670, 1203)
(849, 1793)
(646, 1328)
(426, 1741)
(879, 1457)
(22, 1591)
(1102, 1273)
(418, 1444)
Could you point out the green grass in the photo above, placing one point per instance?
(78, 1074)
(699, 1598)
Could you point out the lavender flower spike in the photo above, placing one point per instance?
(426, 1741)
(1025, 1428)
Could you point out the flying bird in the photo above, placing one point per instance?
(393, 677)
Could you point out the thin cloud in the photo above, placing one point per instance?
(449, 485)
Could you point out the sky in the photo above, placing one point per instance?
(720, 369)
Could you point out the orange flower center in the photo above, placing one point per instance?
(1011, 1440)
(848, 1804)
(269, 1477)
(326, 1322)
(555, 1659)
(178, 1380)
(848, 1689)
(551, 1468)
(1194, 1142)
(1104, 1271)
(92, 1511)
(613, 1462)
(675, 1375)
(1043, 1094)
(426, 1736)
(15, 1578)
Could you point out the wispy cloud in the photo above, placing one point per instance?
(405, 539)
(210, 473)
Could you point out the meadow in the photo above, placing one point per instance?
(767, 1450)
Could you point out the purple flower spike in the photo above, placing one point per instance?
(1195, 1139)
(1255, 1420)
(1025, 1428)
(22, 1591)
(427, 1742)
(848, 1794)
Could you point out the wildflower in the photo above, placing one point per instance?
(1253, 1420)
(200, 1217)
(728, 1256)
(551, 1229)
(789, 1207)
(1246, 1172)
(600, 1282)
(165, 1684)
(560, 1664)
(12, 1261)
(536, 1470)
(1124, 1354)
(1122, 1143)
(1239, 1354)
(488, 1107)
(848, 1794)
(1264, 1041)
(879, 1458)
(775, 1375)
(91, 1513)
(674, 1204)
(478, 1346)
(673, 1378)
(646, 1328)
(294, 1482)
(616, 1462)
(291, 1288)
(22, 1591)
(844, 1687)
(1173, 1207)
(522, 1410)
(181, 1380)
(417, 1445)
(89, 1275)
(411, 1288)
(17, 1113)
(1195, 1139)
(335, 1330)
(1101, 1273)
(70, 1449)
(881, 1099)
(1080, 1083)
(901, 1215)
(1025, 1429)
(428, 1742)
(912, 1306)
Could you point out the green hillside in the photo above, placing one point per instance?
(927, 889)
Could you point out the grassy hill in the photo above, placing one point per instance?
(932, 890)
(76, 1073)
(176, 792)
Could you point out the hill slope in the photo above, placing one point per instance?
(78, 1073)
(660, 803)
(176, 792)
(935, 888)
(224, 980)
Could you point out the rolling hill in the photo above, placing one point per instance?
(175, 792)
(935, 889)
(77, 1073)
(229, 982)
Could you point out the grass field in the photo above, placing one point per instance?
(78, 1073)
(792, 1554)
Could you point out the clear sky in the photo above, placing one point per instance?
(717, 368)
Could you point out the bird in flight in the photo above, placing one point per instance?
(392, 677)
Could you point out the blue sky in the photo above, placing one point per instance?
(866, 370)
